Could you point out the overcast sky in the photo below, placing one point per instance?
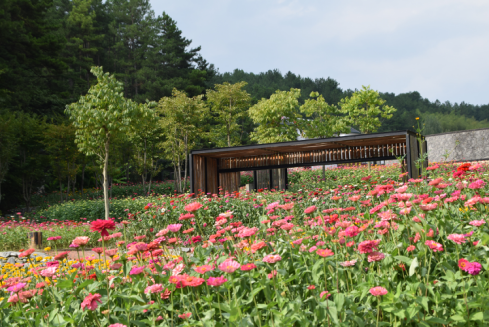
(437, 47)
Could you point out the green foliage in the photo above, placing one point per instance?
(440, 123)
(181, 118)
(8, 145)
(276, 117)
(326, 121)
(102, 116)
(365, 108)
(229, 102)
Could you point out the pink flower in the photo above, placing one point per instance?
(368, 246)
(428, 207)
(81, 240)
(477, 184)
(272, 258)
(324, 293)
(248, 266)
(401, 189)
(135, 270)
(174, 227)
(90, 301)
(54, 238)
(348, 263)
(162, 232)
(155, 288)
(457, 238)
(216, 281)
(352, 231)
(194, 206)
(185, 316)
(17, 287)
(49, 272)
(311, 287)
(436, 247)
(229, 266)
(473, 268)
(477, 223)
(13, 298)
(272, 205)
(272, 274)
(310, 209)
(27, 253)
(375, 256)
(117, 325)
(203, 269)
(410, 248)
(378, 291)
(324, 252)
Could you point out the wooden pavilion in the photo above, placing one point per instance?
(211, 169)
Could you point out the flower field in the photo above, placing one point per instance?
(362, 249)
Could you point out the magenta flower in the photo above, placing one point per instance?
(135, 270)
(17, 287)
(473, 268)
(378, 291)
(216, 281)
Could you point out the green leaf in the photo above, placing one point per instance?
(404, 259)
(436, 320)
(458, 318)
(477, 316)
(315, 273)
(65, 283)
(414, 265)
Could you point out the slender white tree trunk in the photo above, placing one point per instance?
(106, 180)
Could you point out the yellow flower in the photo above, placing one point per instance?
(417, 118)
(47, 249)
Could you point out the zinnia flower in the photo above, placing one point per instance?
(155, 288)
(248, 266)
(203, 269)
(310, 209)
(194, 206)
(368, 246)
(229, 266)
(49, 272)
(27, 253)
(81, 240)
(174, 227)
(375, 256)
(271, 258)
(91, 301)
(101, 226)
(457, 238)
(216, 281)
(378, 291)
(325, 252)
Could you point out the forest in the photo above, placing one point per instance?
(49, 47)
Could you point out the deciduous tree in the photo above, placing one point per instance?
(100, 117)
(229, 102)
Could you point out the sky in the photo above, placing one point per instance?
(439, 48)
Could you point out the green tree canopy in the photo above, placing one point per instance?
(277, 117)
(228, 102)
(365, 108)
(101, 116)
(325, 120)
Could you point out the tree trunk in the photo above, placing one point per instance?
(185, 163)
(60, 189)
(324, 173)
(83, 177)
(106, 180)
(150, 180)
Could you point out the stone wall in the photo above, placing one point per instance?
(460, 146)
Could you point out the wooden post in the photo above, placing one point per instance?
(35, 240)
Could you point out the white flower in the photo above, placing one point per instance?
(163, 210)
(314, 199)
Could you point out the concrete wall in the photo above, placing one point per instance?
(462, 145)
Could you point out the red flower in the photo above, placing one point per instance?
(102, 226)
